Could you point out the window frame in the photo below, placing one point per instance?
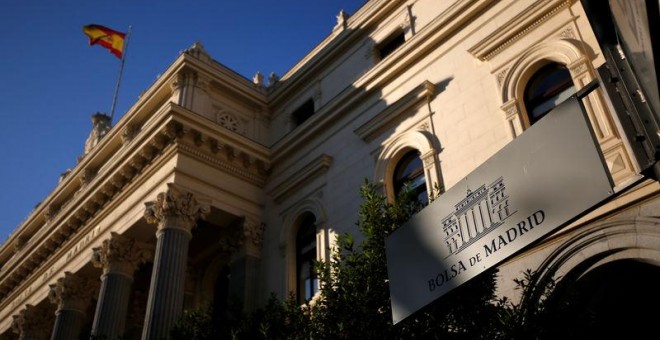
(305, 258)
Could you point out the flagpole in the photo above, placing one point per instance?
(121, 70)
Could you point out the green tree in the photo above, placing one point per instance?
(354, 302)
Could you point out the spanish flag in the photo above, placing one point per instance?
(108, 38)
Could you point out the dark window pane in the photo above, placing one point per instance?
(303, 113)
(410, 169)
(307, 283)
(549, 86)
(390, 45)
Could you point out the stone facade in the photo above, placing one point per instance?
(211, 173)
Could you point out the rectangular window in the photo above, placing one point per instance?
(301, 114)
(391, 44)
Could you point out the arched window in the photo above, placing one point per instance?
(549, 86)
(307, 282)
(410, 169)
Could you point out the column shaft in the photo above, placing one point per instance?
(165, 302)
(68, 324)
(112, 307)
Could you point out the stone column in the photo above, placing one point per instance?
(72, 294)
(175, 213)
(33, 323)
(245, 245)
(119, 257)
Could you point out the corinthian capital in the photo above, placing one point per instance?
(121, 254)
(72, 292)
(254, 232)
(175, 209)
(32, 322)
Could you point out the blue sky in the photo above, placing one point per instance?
(52, 81)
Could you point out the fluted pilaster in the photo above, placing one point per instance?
(176, 213)
(72, 294)
(119, 257)
(245, 262)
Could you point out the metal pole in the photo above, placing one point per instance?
(121, 70)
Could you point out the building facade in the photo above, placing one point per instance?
(213, 187)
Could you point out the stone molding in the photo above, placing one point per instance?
(66, 215)
(176, 209)
(514, 30)
(248, 235)
(394, 113)
(315, 168)
(122, 255)
(73, 292)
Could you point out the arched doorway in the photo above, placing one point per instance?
(621, 299)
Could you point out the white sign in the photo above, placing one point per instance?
(546, 177)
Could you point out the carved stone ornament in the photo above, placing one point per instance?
(510, 109)
(342, 20)
(128, 133)
(121, 254)
(228, 121)
(101, 124)
(33, 323)
(254, 231)
(73, 292)
(273, 78)
(233, 239)
(175, 209)
(258, 79)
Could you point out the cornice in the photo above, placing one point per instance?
(229, 81)
(335, 44)
(393, 113)
(520, 26)
(429, 37)
(300, 177)
(171, 128)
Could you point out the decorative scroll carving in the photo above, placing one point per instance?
(129, 133)
(233, 240)
(175, 209)
(121, 254)
(254, 232)
(33, 323)
(249, 234)
(500, 77)
(567, 33)
(87, 175)
(21, 241)
(73, 292)
(51, 211)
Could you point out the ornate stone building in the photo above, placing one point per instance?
(213, 187)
